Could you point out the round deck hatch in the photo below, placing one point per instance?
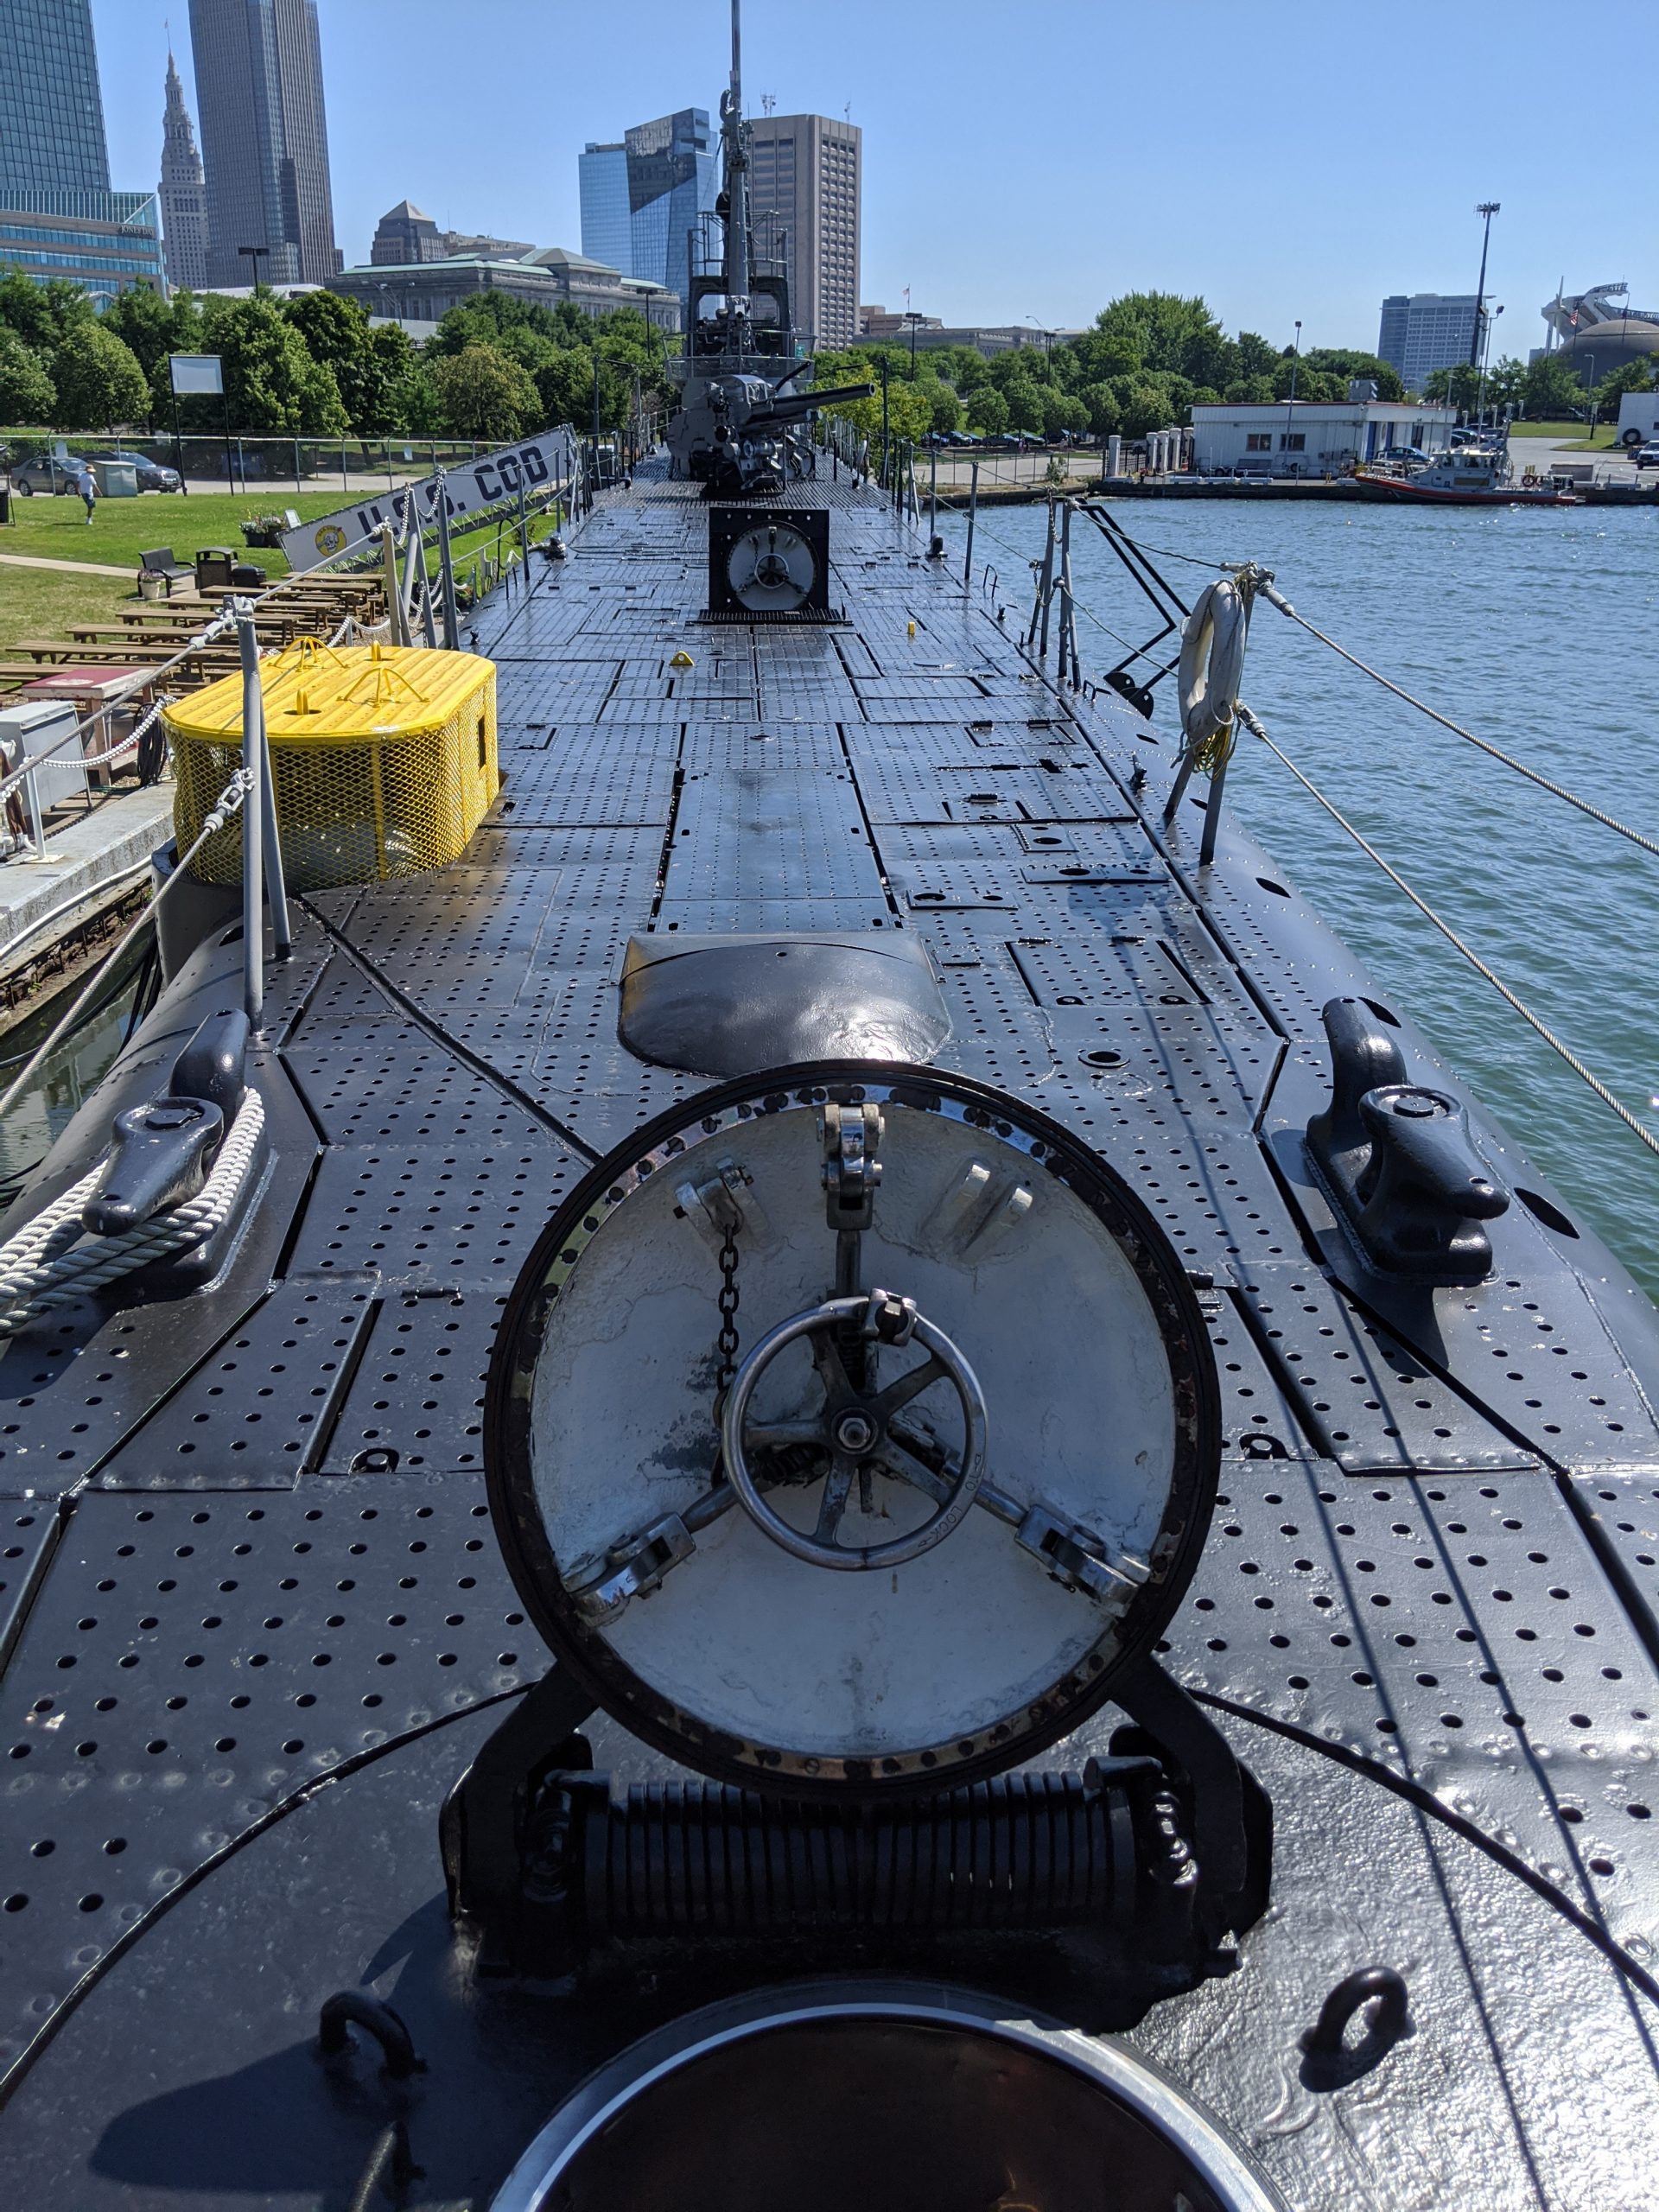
(852, 1428)
(886, 2098)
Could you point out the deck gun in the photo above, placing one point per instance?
(733, 432)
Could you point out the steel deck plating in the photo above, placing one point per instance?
(246, 1552)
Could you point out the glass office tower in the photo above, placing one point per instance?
(53, 143)
(641, 200)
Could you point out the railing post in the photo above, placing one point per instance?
(523, 525)
(932, 494)
(397, 611)
(253, 901)
(1046, 586)
(32, 807)
(1064, 591)
(451, 619)
(973, 516)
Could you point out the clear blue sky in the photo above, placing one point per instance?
(1284, 161)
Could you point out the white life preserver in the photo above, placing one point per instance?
(1212, 661)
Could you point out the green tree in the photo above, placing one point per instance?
(1145, 403)
(1506, 385)
(43, 314)
(565, 384)
(909, 416)
(100, 383)
(1457, 386)
(1025, 403)
(1552, 389)
(944, 409)
(486, 394)
(1630, 376)
(1256, 357)
(1256, 388)
(1343, 364)
(272, 386)
(988, 410)
(1167, 332)
(1103, 411)
(1063, 411)
(27, 393)
(145, 322)
(371, 363)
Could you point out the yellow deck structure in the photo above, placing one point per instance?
(383, 760)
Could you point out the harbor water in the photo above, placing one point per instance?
(1537, 630)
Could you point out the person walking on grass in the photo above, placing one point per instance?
(86, 485)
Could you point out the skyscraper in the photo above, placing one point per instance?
(184, 208)
(58, 215)
(53, 143)
(805, 186)
(264, 139)
(641, 199)
(1424, 331)
(602, 182)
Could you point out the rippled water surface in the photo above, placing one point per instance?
(1539, 632)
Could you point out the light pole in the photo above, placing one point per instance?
(252, 253)
(1487, 208)
(1485, 352)
(1590, 386)
(1290, 404)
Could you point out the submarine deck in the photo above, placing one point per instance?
(246, 1548)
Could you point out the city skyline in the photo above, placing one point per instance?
(1059, 179)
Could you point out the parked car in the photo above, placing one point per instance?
(153, 475)
(1647, 456)
(44, 472)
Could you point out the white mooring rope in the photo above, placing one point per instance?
(42, 1266)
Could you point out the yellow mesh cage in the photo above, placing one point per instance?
(383, 760)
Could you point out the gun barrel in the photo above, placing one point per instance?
(787, 404)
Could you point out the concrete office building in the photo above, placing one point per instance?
(264, 139)
(421, 291)
(58, 215)
(1425, 331)
(805, 193)
(182, 195)
(404, 233)
(643, 197)
(1277, 437)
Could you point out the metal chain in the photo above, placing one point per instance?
(726, 1344)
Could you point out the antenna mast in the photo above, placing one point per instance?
(737, 179)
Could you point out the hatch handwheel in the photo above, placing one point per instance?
(853, 1432)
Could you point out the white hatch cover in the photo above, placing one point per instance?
(852, 1428)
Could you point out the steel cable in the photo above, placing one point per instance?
(1566, 1052)
(1533, 775)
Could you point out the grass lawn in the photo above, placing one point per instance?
(1567, 434)
(45, 603)
(38, 603)
(54, 527)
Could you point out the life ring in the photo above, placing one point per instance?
(1212, 661)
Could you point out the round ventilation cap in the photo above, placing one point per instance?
(852, 1430)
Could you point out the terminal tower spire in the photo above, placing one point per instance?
(184, 215)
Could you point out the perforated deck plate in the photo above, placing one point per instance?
(1382, 1581)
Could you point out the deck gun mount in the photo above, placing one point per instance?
(738, 428)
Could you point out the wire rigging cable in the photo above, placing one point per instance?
(1566, 1052)
(1533, 775)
